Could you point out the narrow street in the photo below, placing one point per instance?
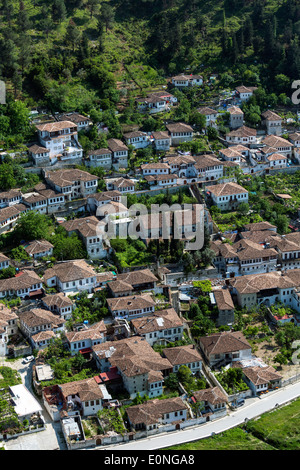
(49, 439)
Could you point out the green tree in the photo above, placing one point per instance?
(32, 226)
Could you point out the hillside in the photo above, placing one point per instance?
(83, 54)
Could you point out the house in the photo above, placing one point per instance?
(154, 413)
(99, 199)
(39, 249)
(38, 320)
(210, 115)
(236, 118)
(243, 135)
(10, 198)
(72, 183)
(208, 168)
(182, 165)
(184, 356)
(25, 284)
(288, 248)
(99, 158)
(82, 341)
(59, 304)
(42, 339)
(61, 139)
(123, 185)
(244, 257)
(277, 160)
(280, 145)
(119, 153)
(84, 397)
(180, 132)
(224, 348)
(211, 400)
(232, 155)
(40, 155)
(244, 93)
(4, 261)
(36, 202)
(161, 140)
(83, 123)
(71, 276)
(183, 81)
(261, 378)
(141, 368)
(55, 200)
(8, 327)
(272, 122)
(266, 288)
(162, 180)
(227, 196)
(132, 306)
(9, 216)
(152, 103)
(90, 230)
(158, 168)
(133, 281)
(159, 327)
(137, 139)
(225, 306)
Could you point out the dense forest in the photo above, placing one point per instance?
(74, 54)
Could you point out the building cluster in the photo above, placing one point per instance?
(253, 267)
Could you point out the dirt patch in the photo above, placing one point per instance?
(267, 351)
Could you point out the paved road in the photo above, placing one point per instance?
(257, 407)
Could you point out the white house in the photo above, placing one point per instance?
(99, 158)
(272, 122)
(180, 132)
(227, 196)
(137, 139)
(71, 276)
(210, 115)
(61, 139)
(161, 140)
(160, 327)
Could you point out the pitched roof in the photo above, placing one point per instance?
(66, 177)
(261, 375)
(130, 303)
(223, 299)
(158, 321)
(179, 127)
(276, 141)
(86, 389)
(180, 355)
(253, 283)
(39, 316)
(225, 342)
(86, 226)
(59, 300)
(70, 271)
(226, 189)
(152, 411)
(116, 144)
(207, 111)
(211, 395)
(38, 246)
(132, 356)
(94, 332)
(242, 131)
(55, 126)
(271, 116)
(23, 280)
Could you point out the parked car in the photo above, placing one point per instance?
(28, 359)
(239, 402)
